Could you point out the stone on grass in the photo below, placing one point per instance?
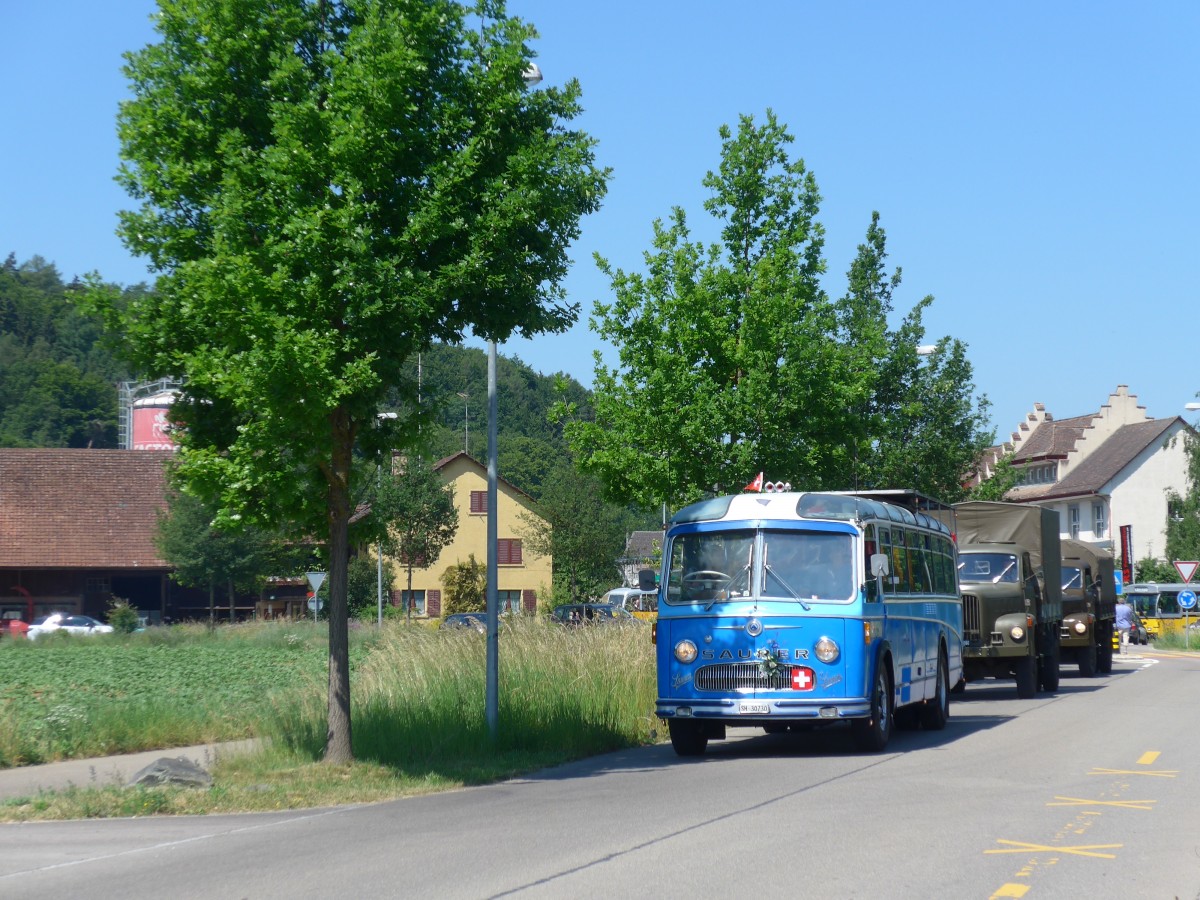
(179, 771)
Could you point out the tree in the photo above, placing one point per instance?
(206, 554)
(362, 588)
(418, 511)
(726, 352)
(465, 586)
(582, 533)
(325, 189)
(916, 424)
(734, 361)
(1183, 511)
(1002, 480)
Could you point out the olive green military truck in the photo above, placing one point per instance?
(1089, 607)
(1009, 573)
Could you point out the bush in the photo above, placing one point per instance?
(122, 617)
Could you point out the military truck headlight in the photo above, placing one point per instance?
(1080, 627)
(685, 652)
(827, 650)
(1017, 633)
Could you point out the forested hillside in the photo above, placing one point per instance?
(58, 382)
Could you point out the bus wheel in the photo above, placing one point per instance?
(1026, 677)
(1087, 662)
(936, 710)
(873, 734)
(687, 737)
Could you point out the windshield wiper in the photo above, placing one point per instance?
(736, 578)
(787, 587)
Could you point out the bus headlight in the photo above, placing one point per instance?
(685, 652)
(827, 650)
(1080, 627)
(1017, 633)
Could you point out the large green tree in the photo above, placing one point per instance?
(325, 188)
(727, 363)
(733, 360)
(916, 423)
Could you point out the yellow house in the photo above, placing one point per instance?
(519, 574)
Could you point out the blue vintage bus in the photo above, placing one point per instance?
(785, 610)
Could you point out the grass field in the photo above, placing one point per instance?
(418, 715)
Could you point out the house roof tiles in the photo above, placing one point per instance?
(1102, 465)
(81, 508)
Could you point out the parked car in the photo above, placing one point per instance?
(591, 614)
(71, 624)
(475, 620)
(641, 604)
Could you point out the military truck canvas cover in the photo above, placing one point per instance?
(1033, 528)
(1101, 562)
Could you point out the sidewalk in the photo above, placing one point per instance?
(26, 781)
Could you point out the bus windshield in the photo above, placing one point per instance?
(715, 566)
(710, 566)
(987, 568)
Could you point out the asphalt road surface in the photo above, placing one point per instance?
(1091, 792)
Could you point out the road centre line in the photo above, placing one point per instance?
(1124, 804)
(1081, 850)
(1166, 773)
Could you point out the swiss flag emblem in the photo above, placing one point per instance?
(802, 679)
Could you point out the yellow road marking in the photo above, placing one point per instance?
(1126, 804)
(1148, 757)
(1166, 773)
(1082, 850)
(1010, 890)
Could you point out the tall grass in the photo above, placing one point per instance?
(418, 701)
(417, 694)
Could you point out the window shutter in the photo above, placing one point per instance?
(433, 603)
(529, 601)
(479, 503)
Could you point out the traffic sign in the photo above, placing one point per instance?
(1187, 599)
(314, 605)
(1186, 569)
(315, 580)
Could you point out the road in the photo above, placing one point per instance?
(1091, 792)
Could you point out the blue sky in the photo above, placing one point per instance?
(1034, 163)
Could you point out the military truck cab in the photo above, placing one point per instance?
(1089, 607)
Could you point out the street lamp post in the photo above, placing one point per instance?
(532, 76)
(379, 544)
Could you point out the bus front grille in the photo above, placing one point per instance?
(971, 626)
(742, 677)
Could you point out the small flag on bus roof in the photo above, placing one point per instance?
(756, 484)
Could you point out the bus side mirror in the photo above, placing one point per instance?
(646, 580)
(879, 565)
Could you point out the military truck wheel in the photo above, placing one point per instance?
(1026, 677)
(936, 710)
(873, 734)
(1104, 655)
(687, 737)
(1048, 668)
(1087, 662)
